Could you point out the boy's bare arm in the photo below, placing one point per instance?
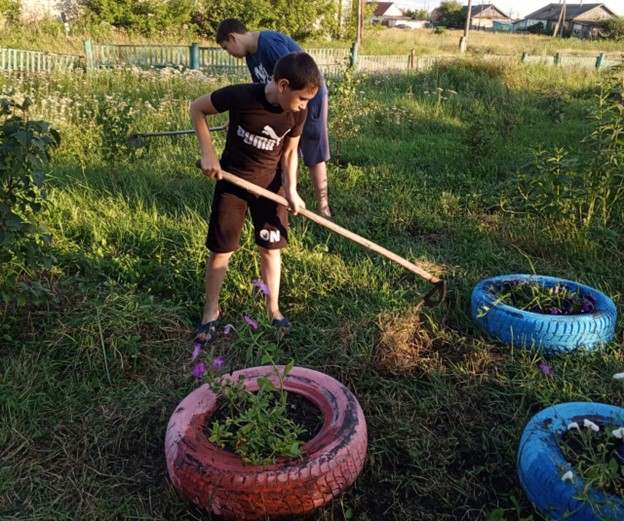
(290, 162)
(200, 108)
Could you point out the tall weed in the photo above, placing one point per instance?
(586, 186)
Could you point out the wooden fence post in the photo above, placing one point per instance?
(88, 48)
(600, 60)
(524, 57)
(353, 57)
(558, 58)
(410, 63)
(194, 56)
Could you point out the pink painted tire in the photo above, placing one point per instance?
(217, 480)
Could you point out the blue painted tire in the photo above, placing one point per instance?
(552, 334)
(541, 465)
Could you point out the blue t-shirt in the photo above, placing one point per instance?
(271, 47)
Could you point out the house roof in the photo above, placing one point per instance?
(553, 11)
(382, 7)
(475, 10)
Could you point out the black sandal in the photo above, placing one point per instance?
(283, 323)
(209, 328)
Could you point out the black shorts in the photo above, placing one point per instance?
(229, 207)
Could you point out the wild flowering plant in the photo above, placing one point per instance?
(537, 298)
(258, 426)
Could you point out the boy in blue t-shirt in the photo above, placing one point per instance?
(262, 50)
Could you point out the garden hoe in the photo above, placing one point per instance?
(432, 299)
(138, 140)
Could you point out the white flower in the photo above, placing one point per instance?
(590, 425)
(574, 425)
(619, 433)
(618, 376)
(568, 476)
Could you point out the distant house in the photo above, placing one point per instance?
(389, 14)
(481, 16)
(384, 11)
(484, 16)
(582, 20)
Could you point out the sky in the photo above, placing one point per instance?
(515, 8)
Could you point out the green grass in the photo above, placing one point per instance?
(89, 378)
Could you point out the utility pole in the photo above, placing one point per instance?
(360, 22)
(561, 21)
(463, 41)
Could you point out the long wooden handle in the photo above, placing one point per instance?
(439, 290)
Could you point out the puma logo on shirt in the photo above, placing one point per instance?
(261, 142)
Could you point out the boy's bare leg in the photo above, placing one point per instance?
(271, 269)
(216, 268)
(318, 174)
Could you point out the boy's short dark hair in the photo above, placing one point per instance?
(228, 26)
(300, 69)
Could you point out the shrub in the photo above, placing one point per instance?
(24, 147)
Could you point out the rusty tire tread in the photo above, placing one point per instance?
(218, 481)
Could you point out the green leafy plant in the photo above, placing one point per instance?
(24, 154)
(257, 426)
(346, 107)
(596, 452)
(537, 298)
(114, 117)
(586, 189)
(440, 98)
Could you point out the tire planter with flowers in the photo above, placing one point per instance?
(549, 481)
(551, 333)
(217, 480)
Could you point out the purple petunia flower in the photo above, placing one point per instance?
(263, 287)
(218, 363)
(227, 328)
(199, 370)
(546, 369)
(251, 322)
(196, 350)
(588, 305)
(555, 311)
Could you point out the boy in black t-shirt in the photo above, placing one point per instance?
(265, 125)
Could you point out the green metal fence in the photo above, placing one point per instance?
(214, 60)
(144, 56)
(36, 61)
(210, 59)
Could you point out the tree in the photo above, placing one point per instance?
(416, 13)
(299, 19)
(142, 16)
(613, 28)
(450, 14)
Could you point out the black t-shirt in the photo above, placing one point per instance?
(256, 132)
